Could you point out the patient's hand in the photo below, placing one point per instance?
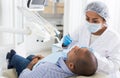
(32, 63)
(39, 57)
(35, 59)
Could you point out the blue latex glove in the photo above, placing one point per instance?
(67, 40)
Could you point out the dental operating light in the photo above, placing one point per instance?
(37, 5)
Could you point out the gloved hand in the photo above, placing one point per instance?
(67, 40)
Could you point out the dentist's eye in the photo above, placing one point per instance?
(95, 22)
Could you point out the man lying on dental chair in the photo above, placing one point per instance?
(79, 61)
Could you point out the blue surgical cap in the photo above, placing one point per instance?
(100, 8)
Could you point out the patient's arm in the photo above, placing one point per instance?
(38, 56)
(32, 63)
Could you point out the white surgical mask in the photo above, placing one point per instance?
(92, 27)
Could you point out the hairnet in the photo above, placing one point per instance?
(100, 8)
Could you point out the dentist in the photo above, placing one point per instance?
(97, 35)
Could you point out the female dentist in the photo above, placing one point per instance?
(95, 34)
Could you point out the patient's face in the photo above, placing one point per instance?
(72, 52)
(75, 53)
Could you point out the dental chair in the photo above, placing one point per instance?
(12, 74)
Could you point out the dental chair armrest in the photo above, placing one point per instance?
(9, 73)
(96, 75)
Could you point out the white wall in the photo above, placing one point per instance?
(114, 9)
(6, 18)
(73, 14)
(0, 13)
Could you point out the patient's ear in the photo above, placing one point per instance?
(71, 66)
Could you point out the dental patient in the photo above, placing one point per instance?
(79, 61)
